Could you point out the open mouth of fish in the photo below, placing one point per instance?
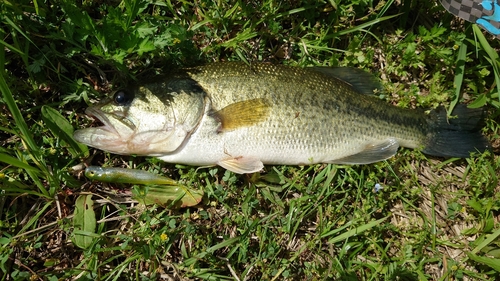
(111, 130)
(101, 120)
(110, 121)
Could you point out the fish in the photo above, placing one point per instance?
(244, 116)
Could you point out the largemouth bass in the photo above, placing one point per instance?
(243, 116)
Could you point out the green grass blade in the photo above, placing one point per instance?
(360, 27)
(492, 237)
(12, 48)
(19, 188)
(25, 54)
(354, 231)
(493, 55)
(17, 163)
(484, 42)
(193, 260)
(34, 220)
(459, 76)
(294, 11)
(25, 136)
(280, 225)
(16, 114)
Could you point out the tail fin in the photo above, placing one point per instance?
(456, 137)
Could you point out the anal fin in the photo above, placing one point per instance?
(242, 165)
(372, 153)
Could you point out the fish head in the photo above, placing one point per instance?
(154, 119)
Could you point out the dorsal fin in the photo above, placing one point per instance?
(362, 81)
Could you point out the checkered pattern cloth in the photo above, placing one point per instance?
(486, 13)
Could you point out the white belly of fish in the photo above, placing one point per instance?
(245, 150)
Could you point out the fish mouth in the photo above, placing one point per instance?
(102, 118)
(115, 130)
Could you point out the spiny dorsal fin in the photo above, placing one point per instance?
(372, 153)
(242, 114)
(362, 81)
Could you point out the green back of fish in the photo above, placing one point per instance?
(309, 105)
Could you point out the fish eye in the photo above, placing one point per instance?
(123, 97)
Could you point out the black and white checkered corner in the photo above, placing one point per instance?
(485, 13)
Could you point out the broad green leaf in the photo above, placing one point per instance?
(484, 42)
(480, 101)
(165, 195)
(146, 46)
(143, 29)
(79, 17)
(61, 128)
(133, 8)
(84, 221)
(475, 205)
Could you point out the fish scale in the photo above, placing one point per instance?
(318, 117)
(242, 116)
(325, 102)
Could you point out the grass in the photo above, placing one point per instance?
(432, 219)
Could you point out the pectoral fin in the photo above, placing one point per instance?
(372, 153)
(242, 165)
(242, 114)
